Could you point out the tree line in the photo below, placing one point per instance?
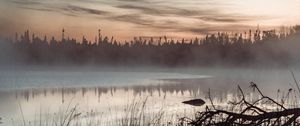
(257, 47)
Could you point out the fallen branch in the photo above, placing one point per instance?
(250, 114)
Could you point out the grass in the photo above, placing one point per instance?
(135, 113)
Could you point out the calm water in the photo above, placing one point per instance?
(106, 96)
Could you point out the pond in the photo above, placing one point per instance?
(118, 97)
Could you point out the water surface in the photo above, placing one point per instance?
(105, 97)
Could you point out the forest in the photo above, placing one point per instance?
(251, 48)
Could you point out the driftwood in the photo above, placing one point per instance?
(249, 114)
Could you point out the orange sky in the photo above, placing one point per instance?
(128, 18)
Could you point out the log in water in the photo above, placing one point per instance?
(195, 102)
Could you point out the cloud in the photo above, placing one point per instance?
(164, 10)
(207, 15)
(149, 14)
(39, 9)
(231, 18)
(131, 0)
(67, 9)
(222, 19)
(223, 28)
(202, 19)
(83, 10)
(133, 18)
(164, 25)
(145, 22)
(142, 9)
(26, 2)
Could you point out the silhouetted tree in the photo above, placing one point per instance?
(259, 47)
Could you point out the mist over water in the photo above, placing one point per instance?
(149, 62)
(30, 86)
(102, 90)
(19, 79)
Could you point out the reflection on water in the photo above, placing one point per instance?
(162, 88)
(109, 104)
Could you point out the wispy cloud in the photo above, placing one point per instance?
(67, 9)
(150, 14)
(83, 10)
(203, 19)
(162, 10)
(133, 18)
(26, 2)
(231, 18)
(209, 15)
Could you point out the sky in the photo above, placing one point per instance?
(125, 19)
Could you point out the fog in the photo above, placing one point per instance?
(44, 79)
(265, 57)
